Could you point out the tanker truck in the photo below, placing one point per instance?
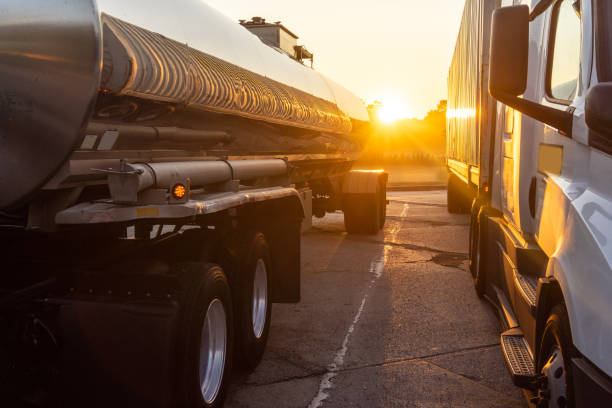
(158, 162)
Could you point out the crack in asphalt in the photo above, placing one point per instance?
(424, 357)
(450, 260)
(472, 379)
(416, 247)
(419, 203)
(426, 221)
(312, 374)
(441, 257)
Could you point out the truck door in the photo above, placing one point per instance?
(560, 160)
(530, 152)
(507, 161)
(534, 183)
(508, 135)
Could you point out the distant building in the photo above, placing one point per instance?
(279, 37)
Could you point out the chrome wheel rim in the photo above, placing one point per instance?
(213, 347)
(260, 298)
(554, 370)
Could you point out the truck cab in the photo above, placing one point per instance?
(541, 229)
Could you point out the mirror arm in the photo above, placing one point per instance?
(539, 9)
(560, 120)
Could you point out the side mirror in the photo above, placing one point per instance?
(509, 51)
(598, 110)
(508, 67)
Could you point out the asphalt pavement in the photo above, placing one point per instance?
(385, 321)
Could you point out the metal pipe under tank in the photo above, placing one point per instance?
(129, 180)
(160, 133)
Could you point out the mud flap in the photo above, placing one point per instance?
(118, 352)
(285, 251)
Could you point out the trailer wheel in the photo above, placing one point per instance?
(383, 204)
(554, 361)
(456, 201)
(205, 335)
(253, 306)
(362, 213)
(352, 221)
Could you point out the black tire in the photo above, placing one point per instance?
(478, 253)
(352, 220)
(202, 284)
(250, 345)
(364, 213)
(383, 204)
(557, 336)
(456, 199)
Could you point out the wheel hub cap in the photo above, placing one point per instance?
(554, 371)
(213, 350)
(260, 298)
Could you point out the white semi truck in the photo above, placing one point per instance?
(157, 164)
(537, 158)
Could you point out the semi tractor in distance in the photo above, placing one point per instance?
(158, 162)
(529, 157)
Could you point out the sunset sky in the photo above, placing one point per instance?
(395, 51)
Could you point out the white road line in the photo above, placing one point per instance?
(377, 267)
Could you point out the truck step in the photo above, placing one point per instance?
(528, 286)
(518, 358)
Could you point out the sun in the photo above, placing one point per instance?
(392, 111)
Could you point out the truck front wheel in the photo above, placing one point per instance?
(456, 199)
(253, 306)
(554, 361)
(477, 253)
(205, 335)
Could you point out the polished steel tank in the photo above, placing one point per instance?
(50, 60)
(86, 83)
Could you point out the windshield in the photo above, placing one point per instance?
(604, 39)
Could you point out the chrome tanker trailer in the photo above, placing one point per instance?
(157, 164)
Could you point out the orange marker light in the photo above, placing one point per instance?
(179, 191)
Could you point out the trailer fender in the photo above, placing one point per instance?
(281, 222)
(285, 248)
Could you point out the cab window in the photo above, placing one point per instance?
(564, 51)
(603, 15)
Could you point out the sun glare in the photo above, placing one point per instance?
(392, 111)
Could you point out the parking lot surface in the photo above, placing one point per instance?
(385, 321)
